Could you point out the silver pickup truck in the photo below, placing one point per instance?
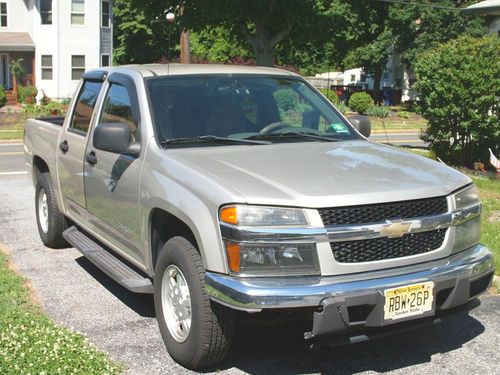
(223, 188)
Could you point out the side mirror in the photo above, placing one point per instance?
(115, 137)
(362, 124)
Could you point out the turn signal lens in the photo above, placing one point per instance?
(228, 215)
(233, 256)
(244, 215)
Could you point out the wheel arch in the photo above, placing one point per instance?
(163, 226)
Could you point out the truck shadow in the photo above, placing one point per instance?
(142, 304)
(282, 349)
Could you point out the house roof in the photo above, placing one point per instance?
(10, 41)
(485, 7)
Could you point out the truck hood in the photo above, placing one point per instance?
(321, 174)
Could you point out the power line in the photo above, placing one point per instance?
(427, 5)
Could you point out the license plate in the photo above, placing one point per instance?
(408, 300)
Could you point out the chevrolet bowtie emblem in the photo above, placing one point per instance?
(395, 229)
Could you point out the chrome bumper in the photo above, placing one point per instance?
(255, 294)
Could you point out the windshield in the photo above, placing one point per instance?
(187, 109)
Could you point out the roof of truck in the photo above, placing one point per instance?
(150, 70)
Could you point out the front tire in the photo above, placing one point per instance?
(50, 221)
(196, 331)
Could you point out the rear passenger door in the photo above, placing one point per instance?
(73, 142)
(112, 180)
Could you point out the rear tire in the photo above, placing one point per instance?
(50, 221)
(196, 331)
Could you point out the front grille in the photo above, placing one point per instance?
(387, 248)
(374, 213)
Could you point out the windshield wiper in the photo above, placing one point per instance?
(213, 138)
(294, 133)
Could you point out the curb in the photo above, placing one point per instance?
(382, 131)
(7, 141)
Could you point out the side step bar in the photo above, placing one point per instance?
(106, 262)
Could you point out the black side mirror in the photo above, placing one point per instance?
(115, 137)
(362, 124)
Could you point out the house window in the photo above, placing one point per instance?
(46, 67)
(3, 14)
(77, 12)
(77, 67)
(105, 60)
(46, 12)
(353, 78)
(105, 13)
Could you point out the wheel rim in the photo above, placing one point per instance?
(43, 211)
(176, 303)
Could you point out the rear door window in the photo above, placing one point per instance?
(84, 107)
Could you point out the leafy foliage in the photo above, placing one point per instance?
(31, 343)
(331, 95)
(3, 97)
(378, 111)
(360, 102)
(17, 69)
(459, 83)
(403, 114)
(217, 44)
(27, 94)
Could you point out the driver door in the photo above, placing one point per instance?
(112, 180)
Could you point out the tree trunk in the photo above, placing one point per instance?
(265, 57)
(376, 84)
(264, 41)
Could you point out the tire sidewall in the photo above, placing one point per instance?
(42, 184)
(173, 252)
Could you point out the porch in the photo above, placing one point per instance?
(15, 46)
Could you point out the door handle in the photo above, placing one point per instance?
(91, 158)
(64, 146)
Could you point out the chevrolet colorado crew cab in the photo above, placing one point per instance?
(223, 188)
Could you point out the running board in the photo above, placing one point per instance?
(106, 262)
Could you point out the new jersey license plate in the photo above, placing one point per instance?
(408, 300)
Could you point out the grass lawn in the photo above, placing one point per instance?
(489, 191)
(12, 125)
(31, 343)
(414, 123)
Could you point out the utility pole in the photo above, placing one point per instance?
(184, 42)
(185, 51)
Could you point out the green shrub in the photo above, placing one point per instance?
(286, 99)
(459, 86)
(27, 94)
(403, 114)
(3, 97)
(378, 111)
(331, 95)
(342, 107)
(360, 102)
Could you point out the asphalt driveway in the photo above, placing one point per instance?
(79, 296)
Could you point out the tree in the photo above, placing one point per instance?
(263, 24)
(459, 85)
(142, 36)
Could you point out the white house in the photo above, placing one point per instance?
(57, 39)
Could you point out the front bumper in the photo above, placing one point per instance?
(454, 275)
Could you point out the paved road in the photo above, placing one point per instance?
(11, 158)
(399, 139)
(79, 296)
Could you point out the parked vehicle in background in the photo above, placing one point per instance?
(224, 188)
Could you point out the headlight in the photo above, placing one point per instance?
(272, 259)
(243, 215)
(466, 197)
(467, 230)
